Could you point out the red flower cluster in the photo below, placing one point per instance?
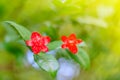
(38, 42)
(70, 43)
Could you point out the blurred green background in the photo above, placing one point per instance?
(97, 22)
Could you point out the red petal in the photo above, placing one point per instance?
(63, 46)
(64, 38)
(73, 48)
(44, 48)
(35, 35)
(79, 41)
(36, 49)
(46, 39)
(28, 43)
(72, 36)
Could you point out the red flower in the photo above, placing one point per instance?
(38, 42)
(71, 43)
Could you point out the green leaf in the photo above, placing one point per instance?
(24, 33)
(54, 45)
(82, 58)
(83, 44)
(47, 62)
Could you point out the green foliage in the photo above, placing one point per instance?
(47, 62)
(54, 45)
(81, 57)
(23, 32)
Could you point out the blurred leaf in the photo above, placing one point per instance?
(2, 10)
(47, 62)
(14, 48)
(83, 44)
(92, 21)
(54, 45)
(82, 58)
(24, 33)
(49, 30)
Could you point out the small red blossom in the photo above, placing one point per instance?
(71, 43)
(38, 42)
